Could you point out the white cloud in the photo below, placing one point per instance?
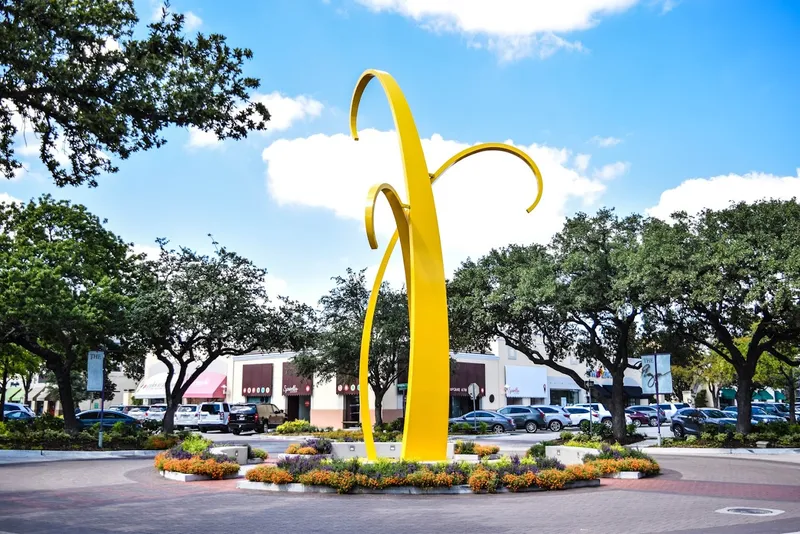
(582, 162)
(718, 192)
(511, 28)
(5, 198)
(612, 170)
(605, 142)
(191, 21)
(275, 286)
(480, 202)
(151, 252)
(285, 111)
(200, 139)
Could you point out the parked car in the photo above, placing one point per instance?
(156, 412)
(18, 415)
(651, 411)
(255, 417)
(772, 409)
(214, 416)
(138, 412)
(187, 416)
(497, 422)
(639, 418)
(602, 413)
(123, 408)
(670, 408)
(17, 407)
(784, 410)
(110, 418)
(525, 417)
(690, 421)
(555, 417)
(757, 415)
(578, 414)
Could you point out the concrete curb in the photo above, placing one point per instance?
(184, 477)
(400, 490)
(25, 456)
(698, 451)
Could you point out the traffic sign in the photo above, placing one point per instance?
(473, 390)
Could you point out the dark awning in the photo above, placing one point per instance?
(294, 384)
(257, 379)
(634, 392)
(728, 394)
(466, 374)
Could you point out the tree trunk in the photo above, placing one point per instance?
(378, 407)
(65, 396)
(3, 393)
(618, 406)
(712, 390)
(169, 414)
(744, 399)
(27, 380)
(792, 397)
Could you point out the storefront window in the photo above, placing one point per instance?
(352, 412)
(259, 400)
(556, 396)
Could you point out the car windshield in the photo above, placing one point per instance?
(187, 409)
(782, 408)
(244, 409)
(716, 414)
(158, 408)
(758, 411)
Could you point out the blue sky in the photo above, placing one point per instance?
(647, 106)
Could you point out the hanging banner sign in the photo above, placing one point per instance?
(94, 371)
(660, 363)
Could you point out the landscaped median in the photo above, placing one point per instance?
(194, 459)
(512, 474)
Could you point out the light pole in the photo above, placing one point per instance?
(589, 385)
(224, 392)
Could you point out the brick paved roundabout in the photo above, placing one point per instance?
(128, 496)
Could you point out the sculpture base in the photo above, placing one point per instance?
(358, 449)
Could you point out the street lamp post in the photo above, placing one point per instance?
(589, 385)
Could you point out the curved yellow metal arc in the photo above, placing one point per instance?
(500, 147)
(366, 333)
(371, 199)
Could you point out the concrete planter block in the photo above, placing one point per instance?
(466, 458)
(254, 461)
(235, 453)
(762, 444)
(184, 477)
(357, 449)
(635, 475)
(322, 456)
(568, 455)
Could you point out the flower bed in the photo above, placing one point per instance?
(311, 447)
(470, 447)
(508, 474)
(776, 435)
(197, 465)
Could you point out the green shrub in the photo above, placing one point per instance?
(566, 435)
(295, 427)
(721, 438)
(196, 444)
(738, 436)
(705, 436)
(691, 439)
(537, 450)
(464, 447)
(630, 430)
(257, 453)
(710, 428)
(701, 399)
(3, 429)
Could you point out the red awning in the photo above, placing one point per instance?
(207, 386)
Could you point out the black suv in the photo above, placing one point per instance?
(525, 417)
(255, 417)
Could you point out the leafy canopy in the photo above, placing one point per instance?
(77, 81)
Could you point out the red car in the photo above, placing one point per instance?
(638, 418)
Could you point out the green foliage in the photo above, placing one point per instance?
(566, 435)
(707, 436)
(338, 335)
(701, 399)
(721, 437)
(196, 444)
(64, 287)
(48, 435)
(298, 426)
(467, 428)
(192, 308)
(464, 447)
(537, 450)
(691, 439)
(87, 89)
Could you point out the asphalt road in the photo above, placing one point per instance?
(127, 496)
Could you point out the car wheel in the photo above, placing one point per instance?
(637, 423)
(236, 431)
(653, 421)
(224, 429)
(678, 431)
(555, 426)
(531, 427)
(606, 421)
(498, 429)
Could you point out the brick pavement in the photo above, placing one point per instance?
(131, 497)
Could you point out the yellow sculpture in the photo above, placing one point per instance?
(428, 402)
